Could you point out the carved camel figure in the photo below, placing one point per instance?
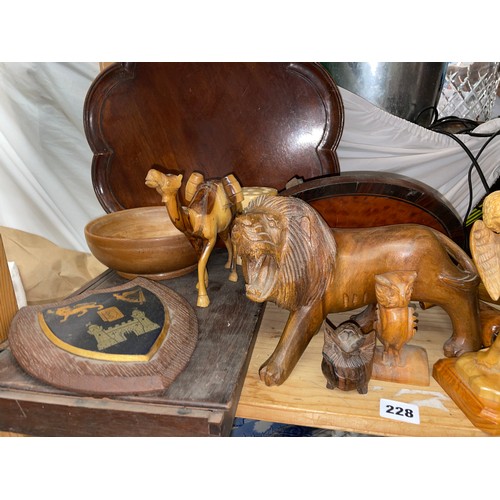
(212, 205)
(291, 257)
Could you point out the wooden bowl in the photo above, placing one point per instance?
(141, 242)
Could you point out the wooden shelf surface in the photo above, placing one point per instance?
(303, 398)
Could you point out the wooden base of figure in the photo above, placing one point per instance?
(469, 393)
(411, 368)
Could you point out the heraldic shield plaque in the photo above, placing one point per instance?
(131, 339)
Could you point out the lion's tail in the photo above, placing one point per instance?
(470, 277)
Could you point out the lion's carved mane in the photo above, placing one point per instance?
(303, 252)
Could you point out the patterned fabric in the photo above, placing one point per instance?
(243, 427)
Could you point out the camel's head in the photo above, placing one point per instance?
(165, 184)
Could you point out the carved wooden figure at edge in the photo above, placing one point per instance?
(210, 211)
(291, 257)
(8, 302)
(473, 380)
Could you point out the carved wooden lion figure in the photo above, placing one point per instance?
(291, 257)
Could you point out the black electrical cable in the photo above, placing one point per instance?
(491, 137)
(467, 124)
(428, 108)
(475, 164)
(468, 127)
(473, 159)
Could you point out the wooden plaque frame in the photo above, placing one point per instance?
(42, 358)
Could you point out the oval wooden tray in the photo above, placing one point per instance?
(368, 199)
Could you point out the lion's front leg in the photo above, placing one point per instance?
(300, 328)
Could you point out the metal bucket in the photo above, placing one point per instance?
(410, 90)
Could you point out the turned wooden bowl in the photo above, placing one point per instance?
(141, 242)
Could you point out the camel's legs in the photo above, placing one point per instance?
(231, 259)
(206, 280)
(203, 300)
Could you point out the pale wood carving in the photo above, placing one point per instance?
(205, 212)
(473, 381)
(347, 356)
(291, 257)
(483, 368)
(396, 324)
(396, 321)
(8, 302)
(485, 245)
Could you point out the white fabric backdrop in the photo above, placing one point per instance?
(378, 141)
(45, 184)
(45, 160)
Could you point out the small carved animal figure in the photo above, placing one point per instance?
(210, 212)
(347, 356)
(291, 257)
(396, 323)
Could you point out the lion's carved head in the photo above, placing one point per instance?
(287, 251)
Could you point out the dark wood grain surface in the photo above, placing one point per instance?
(263, 122)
